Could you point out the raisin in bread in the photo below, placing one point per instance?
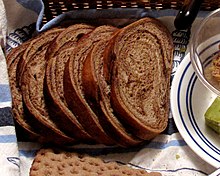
(137, 64)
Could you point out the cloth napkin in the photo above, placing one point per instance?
(168, 153)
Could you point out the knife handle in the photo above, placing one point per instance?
(187, 14)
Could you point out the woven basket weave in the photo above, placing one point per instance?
(57, 7)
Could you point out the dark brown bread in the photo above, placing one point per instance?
(73, 85)
(101, 84)
(17, 101)
(53, 162)
(97, 92)
(32, 82)
(68, 38)
(138, 63)
(35, 44)
(58, 54)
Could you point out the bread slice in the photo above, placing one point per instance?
(138, 64)
(59, 52)
(32, 82)
(97, 92)
(68, 38)
(73, 92)
(17, 101)
(36, 44)
(54, 162)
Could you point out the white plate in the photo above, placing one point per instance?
(189, 101)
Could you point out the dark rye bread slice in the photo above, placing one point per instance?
(97, 92)
(59, 53)
(54, 162)
(139, 60)
(36, 44)
(17, 101)
(32, 82)
(68, 38)
(73, 84)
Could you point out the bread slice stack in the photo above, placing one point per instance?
(94, 84)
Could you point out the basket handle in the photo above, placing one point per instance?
(187, 14)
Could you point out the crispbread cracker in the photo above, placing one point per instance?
(52, 162)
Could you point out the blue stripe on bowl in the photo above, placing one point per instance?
(181, 116)
(190, 89)
(192, 117)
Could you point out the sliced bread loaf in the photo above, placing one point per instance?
(32, 82)
(138, 63)
(73, 92)
(97, 92)
(59, 52)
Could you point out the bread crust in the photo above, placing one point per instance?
(73, 89)
(97, 94)
(19, 114)
(157, 94)
(68, 38)
(32, 80)
(58, 54)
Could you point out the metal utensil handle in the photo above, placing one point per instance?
(187, 14)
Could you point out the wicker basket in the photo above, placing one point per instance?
(56, 7)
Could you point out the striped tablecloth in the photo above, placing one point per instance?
(167, 153)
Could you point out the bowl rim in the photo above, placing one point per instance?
(194, 54)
